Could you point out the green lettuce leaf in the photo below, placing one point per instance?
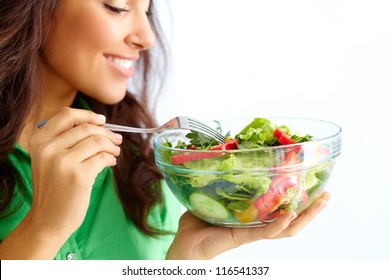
(258, 133)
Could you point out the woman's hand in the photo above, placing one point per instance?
(67, 154)
(199, 240)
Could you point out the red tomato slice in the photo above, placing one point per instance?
(229, 145)
(268, 204)
(284, 139)
(185, 157)
(278, 132)
(281, 183)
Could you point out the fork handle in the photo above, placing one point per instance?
(121, 128)
(118, 128)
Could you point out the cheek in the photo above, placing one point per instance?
(97, 34)
(82, 39)
(78, 43)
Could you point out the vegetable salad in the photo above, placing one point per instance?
(251, 179)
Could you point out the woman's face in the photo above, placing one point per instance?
(93, 45)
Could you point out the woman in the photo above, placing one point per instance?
(73, 189)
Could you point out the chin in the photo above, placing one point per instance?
(110, 100)
(110, 97)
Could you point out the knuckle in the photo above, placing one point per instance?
(85, 128)
(46, 150)
(281, 227)
(66, 112)
(98, 140)
(112, 160)
(102, 155)
(107, 158)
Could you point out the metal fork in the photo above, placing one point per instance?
(182, 122)
(177, 122)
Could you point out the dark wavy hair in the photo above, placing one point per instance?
(23, 30)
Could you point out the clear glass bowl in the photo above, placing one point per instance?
(251, 187)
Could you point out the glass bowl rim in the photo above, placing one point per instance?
(289, 146)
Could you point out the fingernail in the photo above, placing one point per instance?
(119, 136)
(293, 216)
(101, 117)
(118, 148)
(42, 123)
(323, 206)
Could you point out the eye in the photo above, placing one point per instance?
(116, 10)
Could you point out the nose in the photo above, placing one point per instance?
(140, 34)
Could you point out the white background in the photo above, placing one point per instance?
(319, 59)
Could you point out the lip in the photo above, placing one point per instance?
(124, 72)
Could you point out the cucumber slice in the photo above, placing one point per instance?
(208, 207)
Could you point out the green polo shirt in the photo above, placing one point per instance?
(106, 232)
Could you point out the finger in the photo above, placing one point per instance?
(68, 118)
(77, 134)
(99, 161)
(268, 231)
(92, 146)
(308, 215)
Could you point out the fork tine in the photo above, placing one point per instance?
(201, 127)
(212, 132)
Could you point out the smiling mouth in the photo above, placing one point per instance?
(123, 63)
(123, 66)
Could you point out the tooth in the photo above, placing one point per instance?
(124, 63)
(116, 60)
